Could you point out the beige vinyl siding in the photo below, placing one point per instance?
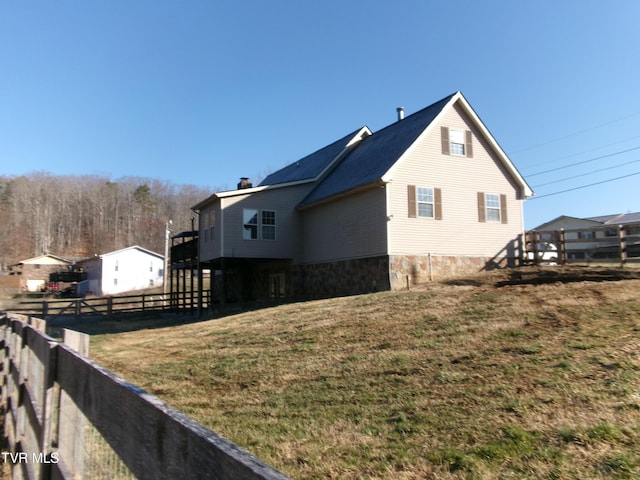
(351, 227)
(209, 242)
(460, 180)
(281, 200)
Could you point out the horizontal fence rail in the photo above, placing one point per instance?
(602, 243)
(67, 417)
(78, 308)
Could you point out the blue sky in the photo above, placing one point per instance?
(202, 92)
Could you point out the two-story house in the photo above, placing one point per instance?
(429, 196)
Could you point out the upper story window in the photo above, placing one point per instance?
(258, 224)
(492, 207)
(268, 225)
(425, 202)
(250, 224)
(586, 235)
(492, 203)
(456, 142)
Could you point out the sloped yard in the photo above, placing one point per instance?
(486, 377)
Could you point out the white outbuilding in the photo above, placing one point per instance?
(131, 268)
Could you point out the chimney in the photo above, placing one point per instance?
(400, 111)
(244, 183)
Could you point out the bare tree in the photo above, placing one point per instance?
(76, 216)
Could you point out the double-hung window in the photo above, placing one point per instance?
(492, 202)
(492, 207)
(457, 142)
(425, 201)
(249, 224)
(258, 224)
(268, 225)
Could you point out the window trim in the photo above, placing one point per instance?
(260, 225)
(457, 149)
(248, 226)
(431, 203)
(264, 225)
(492, 208)
(413, 203)
(483, 208)
(467, 138)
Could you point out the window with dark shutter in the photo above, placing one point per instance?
(456, 142)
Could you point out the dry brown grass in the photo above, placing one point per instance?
(453, 380)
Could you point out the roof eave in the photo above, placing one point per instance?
(525, 189)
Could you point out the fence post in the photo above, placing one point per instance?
(71, 426)
(562, 248)
(144, 296)
(534, 247)
(45, 309)
(622, 238)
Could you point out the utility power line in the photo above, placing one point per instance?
(584, 161)
(576, 133)
(585, 186)
(587, 173)
(557, 159)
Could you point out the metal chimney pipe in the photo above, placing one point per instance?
(400, 111)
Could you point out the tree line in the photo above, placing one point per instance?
(80, 216)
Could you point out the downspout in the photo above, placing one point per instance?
(223, 286)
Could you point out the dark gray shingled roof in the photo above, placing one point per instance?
(375, 155)
(310, 166)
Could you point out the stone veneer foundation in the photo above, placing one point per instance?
(342, 277)
(393, 272)
(408, 270)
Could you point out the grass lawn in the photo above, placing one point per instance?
(456, 380)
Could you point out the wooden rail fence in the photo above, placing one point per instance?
(55, 400)
(79, 308)
(602, 243)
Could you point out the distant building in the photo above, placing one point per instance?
(131, 268)
(35, 271)
(594, 237)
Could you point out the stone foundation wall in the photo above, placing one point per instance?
(408, 270)
(345, 277)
